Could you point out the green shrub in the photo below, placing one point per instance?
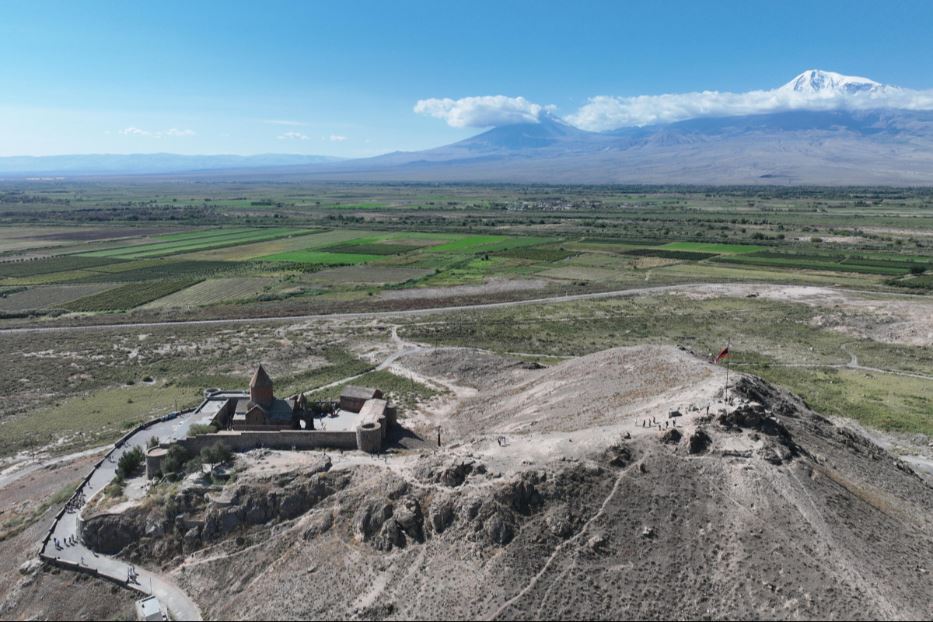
(215, 454)
(115, 488)
(130, 462)
(199, 429)
(174, 461)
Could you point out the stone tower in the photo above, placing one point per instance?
(260, 388)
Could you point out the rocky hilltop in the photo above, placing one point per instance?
(566, 492)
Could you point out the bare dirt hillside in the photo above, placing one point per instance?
(563, 492)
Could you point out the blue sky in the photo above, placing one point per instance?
(343, 78)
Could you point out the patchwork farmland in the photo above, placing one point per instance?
(336, 254)
(263, 270)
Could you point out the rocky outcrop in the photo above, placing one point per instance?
(193, 517)
(451, 474)
(111, 533)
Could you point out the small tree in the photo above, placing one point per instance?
(130, 461)
(153, 442)
(215, 455)
(174, 460)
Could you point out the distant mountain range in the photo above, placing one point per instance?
(796, 147)
(829, 143)
(146, 163)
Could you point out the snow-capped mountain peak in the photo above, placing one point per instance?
(828, 83)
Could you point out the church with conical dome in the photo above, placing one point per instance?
(262, 410)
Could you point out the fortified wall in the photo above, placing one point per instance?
(364, 416)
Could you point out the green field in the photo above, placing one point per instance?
(534, 253)
(371, 249)
(716, 249)
(665, 253)
(834, 263)
(167, 268)
(89, 420)
(575, 239)
(322, 258)
(488, 243)
(51, 265)
(129, 296)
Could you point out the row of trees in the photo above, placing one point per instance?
(177, 461)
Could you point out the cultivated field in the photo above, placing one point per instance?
(331, 248)
(279, 252)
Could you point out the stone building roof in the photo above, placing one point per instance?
(260, 379)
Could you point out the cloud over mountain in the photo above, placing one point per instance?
(484, 111)
(812, 90)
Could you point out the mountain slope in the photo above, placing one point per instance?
(824, 83)
(825, 128)
(831, 147)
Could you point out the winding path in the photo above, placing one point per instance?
(66, 526)
(180, 606)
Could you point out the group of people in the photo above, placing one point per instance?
(75, 503)
(650, 423)
(62, 544)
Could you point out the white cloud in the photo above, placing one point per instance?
(171, 132)
(293, 136)
(813, 89)
(337, 138)
(604, 112)
(485, 111)
(176, 132)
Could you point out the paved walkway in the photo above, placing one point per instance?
(179, 605)
(176, 601)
